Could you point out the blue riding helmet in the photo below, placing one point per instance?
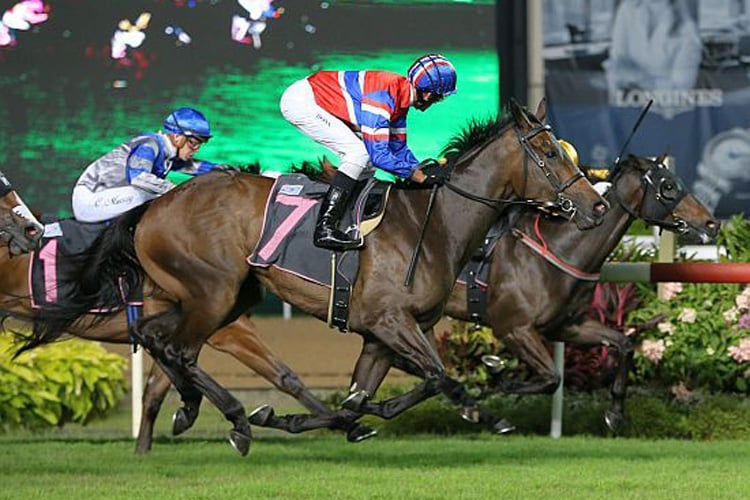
(433, 73)
(187, 121)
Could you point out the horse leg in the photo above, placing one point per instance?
(527, 344)
(454, 390)
(370, 369)
(157, 386)
(179, 363)
(198, 323)
(591, 332)
(149, 331)
(240, 340)
(401, 334)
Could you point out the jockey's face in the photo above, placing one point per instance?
(424, 100)
(187, 146)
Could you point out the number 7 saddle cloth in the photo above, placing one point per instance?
(289, 223)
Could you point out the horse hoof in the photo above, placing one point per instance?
(470, 414)
(503, 427)
(494, 364)
(261, 416)
(613, 420)
(355, 401)
(240, 442)
(142, 449)
(180, 422)
(359, 433)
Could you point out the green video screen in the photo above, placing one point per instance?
(95, 73)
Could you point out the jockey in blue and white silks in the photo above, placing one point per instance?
(361, 116)
(134, 172)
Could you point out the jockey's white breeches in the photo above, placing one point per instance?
(298, 106)
(89, 206)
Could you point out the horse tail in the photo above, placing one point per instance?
(103, 276)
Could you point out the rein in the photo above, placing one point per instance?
(543, 250)
(499, 203)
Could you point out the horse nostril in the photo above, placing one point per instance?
(600, 209)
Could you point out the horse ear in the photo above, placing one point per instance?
(660, 159)
(518, 113)
(541, 110)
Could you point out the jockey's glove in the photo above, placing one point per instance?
(436, 174)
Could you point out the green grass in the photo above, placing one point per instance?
(97, 461)
(327, 467)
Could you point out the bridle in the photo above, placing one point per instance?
(562, 204)
(662, 192)
(20, 211)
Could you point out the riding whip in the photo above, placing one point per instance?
(418, 247)
(632, 132)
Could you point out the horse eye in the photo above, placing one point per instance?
(550, 154)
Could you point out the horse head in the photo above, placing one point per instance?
(553, 179)
(18, 226)
(648, 190)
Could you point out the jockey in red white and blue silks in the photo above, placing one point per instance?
(361, 116)
(134, 172)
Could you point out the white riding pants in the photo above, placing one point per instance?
(107, 204)
(298, 106)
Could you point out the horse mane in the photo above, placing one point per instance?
(475, 133)
(630, 159)
(103, 273)
(251, 168)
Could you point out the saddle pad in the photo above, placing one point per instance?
(65, 243)
(289, 223)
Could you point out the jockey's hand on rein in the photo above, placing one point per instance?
(435, 173)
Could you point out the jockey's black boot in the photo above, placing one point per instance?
(327, 233)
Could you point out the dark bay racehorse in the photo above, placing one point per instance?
(238, 338)
(200, 262)
(18, 226)
(550, 298)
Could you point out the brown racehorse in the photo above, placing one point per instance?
(237, 338)
(200, 263)
(18, 226)
(551, 300)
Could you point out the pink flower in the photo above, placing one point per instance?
(671, 289)
(743, 300)
(653, 350)
(688, 315)
(666, 327)
(744, 322)
(741, 352)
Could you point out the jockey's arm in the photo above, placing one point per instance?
(142, 171)
(194, 167)
(380, 131)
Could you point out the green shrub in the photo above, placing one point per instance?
(71, 381)
(650, 413)
(720, 417)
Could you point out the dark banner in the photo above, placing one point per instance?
(605, 59)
